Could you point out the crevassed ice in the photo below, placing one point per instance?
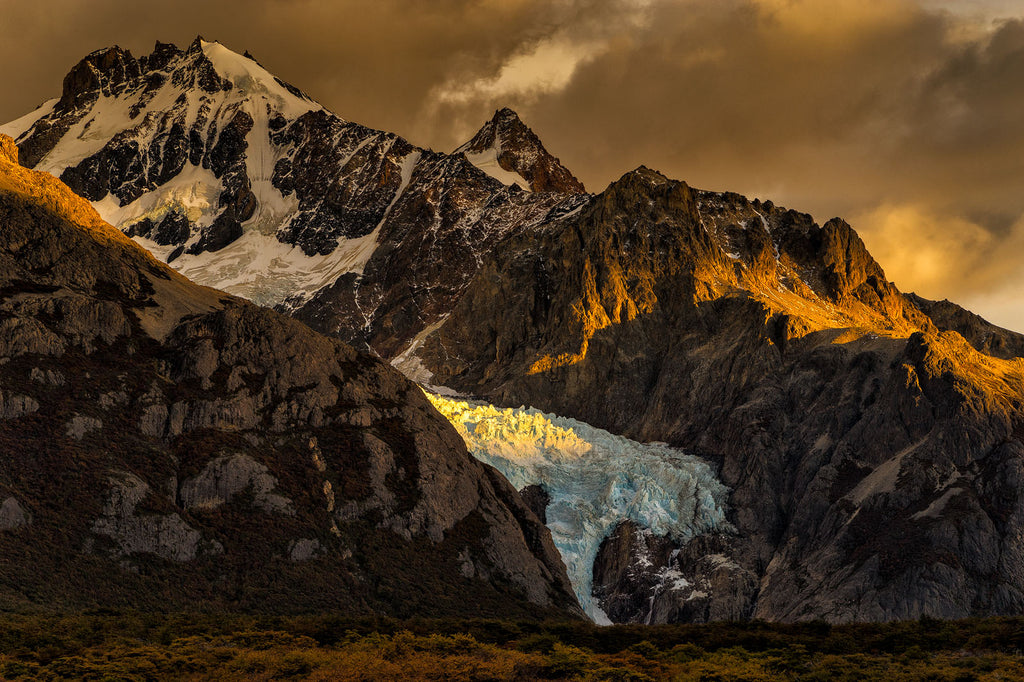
(595, 480)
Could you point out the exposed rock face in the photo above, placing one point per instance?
(167, 536)
(537, 500)
(12, 515)
(229, 475)
(517, 150)
(872, 457)
(242, 182)
(642, 578)
(169, 445)
(624, 584)
(429, 249)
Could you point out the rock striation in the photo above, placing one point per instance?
(171, 446)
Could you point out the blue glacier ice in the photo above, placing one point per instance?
(595, 480)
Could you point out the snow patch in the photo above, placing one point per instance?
(193, 192)
(487, 161)
(412, 367)
(674, 579)
(108, 117)
(249, 78)
(260, 268)
(936, 508)
(883, 479)
(19, 125)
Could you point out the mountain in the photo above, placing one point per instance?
(741, 415)
(242, 182)
(874, 460)
(510, 152)
(977, 331)
(169, 446)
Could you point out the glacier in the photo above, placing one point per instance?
(594, 478)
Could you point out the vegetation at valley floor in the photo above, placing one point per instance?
(146, 646)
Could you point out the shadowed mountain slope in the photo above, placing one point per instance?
(170, 446)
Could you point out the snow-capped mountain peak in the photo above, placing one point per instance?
(249, 78)
(506, 149)
(244, 183)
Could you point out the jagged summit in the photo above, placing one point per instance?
(244, 183)
(109, 90)
(162, 144)
(506, 149)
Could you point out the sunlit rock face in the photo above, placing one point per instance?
(594, 480)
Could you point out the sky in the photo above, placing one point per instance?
(905, 117)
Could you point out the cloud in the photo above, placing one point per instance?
(828, 24)
(544, 68)
(940, 255)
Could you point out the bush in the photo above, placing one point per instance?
(567, 661)
(541, 643)
(645, 649)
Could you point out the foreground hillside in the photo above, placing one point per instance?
(148, 646)
(169, 446)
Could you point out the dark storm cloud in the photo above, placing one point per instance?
(904, 118)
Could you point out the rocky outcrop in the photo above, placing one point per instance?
(517, 149)
(537, 499)
(977, 331)
(643, 578)
(12, 516)
(167, 536)
(870, 455)
(229, 475)
(107, 72)
(627, 572)
(170, 445)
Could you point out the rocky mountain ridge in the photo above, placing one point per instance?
(507, 148)
(873, 459)
(170, 446)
